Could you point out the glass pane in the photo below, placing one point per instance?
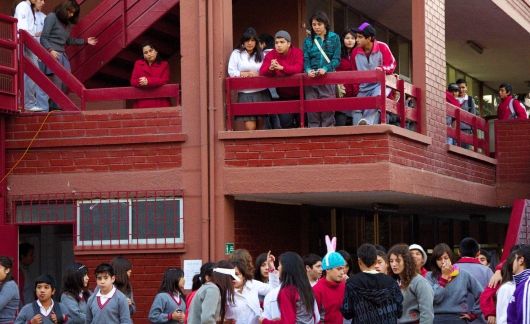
(152, 219)
(45, 213)
(103, 220)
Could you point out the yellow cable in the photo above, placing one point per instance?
(29, 146)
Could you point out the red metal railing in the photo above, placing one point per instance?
(86, 95)
(8, 64)
(403, 94)
(479, 136)
(114, 220)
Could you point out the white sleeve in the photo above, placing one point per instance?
(271, 310)
(25, 18)
(233, 64)
(504, 295)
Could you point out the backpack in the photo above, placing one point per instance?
(56, 310)
(513, 114)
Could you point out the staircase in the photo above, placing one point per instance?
(121, 26)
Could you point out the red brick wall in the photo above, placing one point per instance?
(147, 271)
(121, 140)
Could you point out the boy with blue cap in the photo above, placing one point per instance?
(329, 290)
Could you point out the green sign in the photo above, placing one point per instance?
(229, 248)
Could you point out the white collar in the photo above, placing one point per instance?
(45, 311)
(108, 295)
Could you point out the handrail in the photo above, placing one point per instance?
(302, 105)
(479, 142)
(86, 95)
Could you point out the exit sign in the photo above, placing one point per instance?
(229, 248)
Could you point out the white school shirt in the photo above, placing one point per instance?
(45, 311)
(239, 62)
(104, 298)
(246, 308)
(504, 294)
(39, 23)
(24, 14)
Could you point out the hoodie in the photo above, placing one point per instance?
(372, 298)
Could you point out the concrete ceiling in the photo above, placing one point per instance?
(506, 43)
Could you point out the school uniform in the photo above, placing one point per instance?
(30, 310)
(76, 309)
(164, 305)
(111, 308)
(9, 301)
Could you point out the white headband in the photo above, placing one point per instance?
(230, 272)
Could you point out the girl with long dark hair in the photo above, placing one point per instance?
(122, 270)
(9, 295)
(453, 289)
(417, 293)
(75, 293)
(169, 305)
(347, 63)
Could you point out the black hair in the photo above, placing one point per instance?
(524, 251)
(311, 259)
(293, 274)
(452, 87)
(319, 16)
(170, 281)
(121, 265)
(150, 44)
(46, 279)
(224, 282)
(507, 87)
(437, 252)
(345, 52)
(24, 249)
(199, 279)
(104, 268)
(349, 262)
(486, 254)
(259, 261)
(62, 10)
(248, 34)
(267, 39)
(380, 248)
(469, 247)
(7, 263)
(243, 269)
(459, 81)
(507, 268)
(367, 253)
(73, 281)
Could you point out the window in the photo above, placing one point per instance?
(129, 221)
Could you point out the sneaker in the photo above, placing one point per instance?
(36, 109)
(362, 122)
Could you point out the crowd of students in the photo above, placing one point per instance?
(388, 287)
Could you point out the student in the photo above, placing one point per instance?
(370, 296)
(75, 293)
(329, 290)
(283, 61)
(469, 251)
(123, 270)
(347, 63)
(450, 97)
(294, 301)
(510, 107)
(261, 269)
(313, 267)
(245, 61)
(44, 309)
(211, 300)
(148, 73)
(381, 264)
(467, 103)
(41, 96)
(371, 54)
(169, 305)
(56, 35)
(348, 267)
(484, 257)
(518, 307)
(198, 280)
(420, 258)
(9, 295)
(417, 293)
(453, 289)
(321, 55)
(246, 306)
(108, 305)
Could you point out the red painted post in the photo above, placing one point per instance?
(401, 103)
(302, 100)
(228, 105)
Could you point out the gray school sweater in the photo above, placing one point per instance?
(205, 307)
(418, 302)
(27, 313)
(9, 300)
(76, 310)
(453, 299)
(115, 310)
(163, 305)
(55, 35)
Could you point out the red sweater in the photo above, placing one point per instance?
(503, 111)
(287, 298)
(292, 62)
(329, 296)
(157, 74)
(348, 64)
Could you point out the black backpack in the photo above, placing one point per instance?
(56, 310)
